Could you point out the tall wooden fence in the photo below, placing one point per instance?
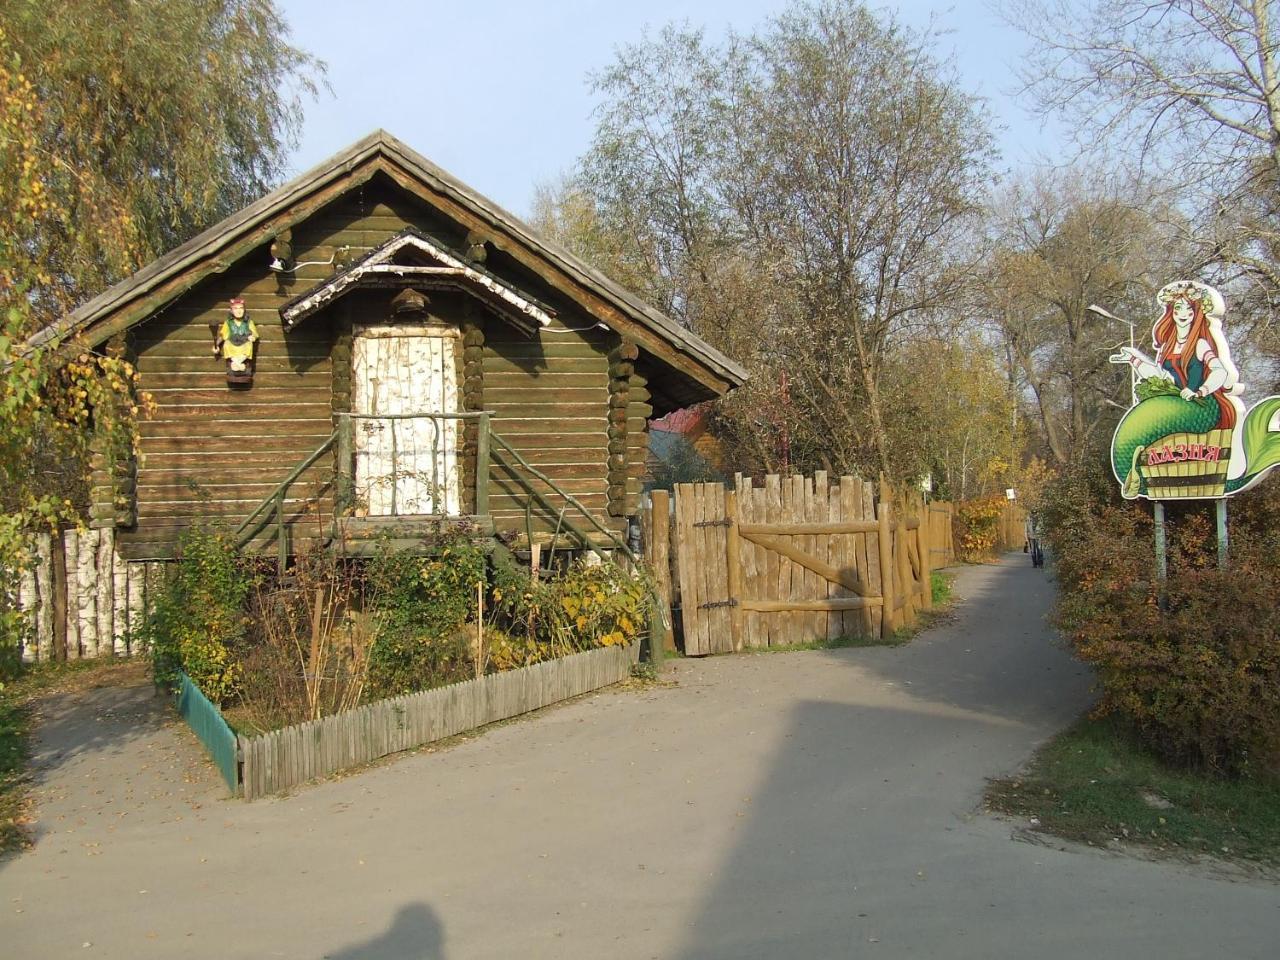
(794, 560)
(83, 599)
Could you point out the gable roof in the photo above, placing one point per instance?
(381, 265)
(216, 249)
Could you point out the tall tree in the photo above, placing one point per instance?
(158, 117)
(815, 176)
(1060, 243)
(1191, 90)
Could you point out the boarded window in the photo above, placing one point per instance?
(405, 464)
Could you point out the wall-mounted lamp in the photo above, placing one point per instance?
(282, 266)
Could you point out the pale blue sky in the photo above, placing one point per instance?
(496, 93)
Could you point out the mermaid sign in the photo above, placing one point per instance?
(1188, 436)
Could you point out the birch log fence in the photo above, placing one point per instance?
(82, 598)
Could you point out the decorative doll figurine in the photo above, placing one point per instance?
(234, 342)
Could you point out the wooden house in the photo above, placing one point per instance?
(422, 356)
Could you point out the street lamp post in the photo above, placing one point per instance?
(1133, 372)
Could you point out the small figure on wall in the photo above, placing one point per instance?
(234, 342)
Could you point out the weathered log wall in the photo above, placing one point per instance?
(213, 451)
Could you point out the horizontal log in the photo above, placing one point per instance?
(267, 362)
(232, 512)
(542, 364)
(515, 504)
(311, 391)
(831, 604)
(560, 347)
(535, 391)
(180, 468)
(213, 378)
(553, 378)
(508, 427)
(223, 488)
(248, 430)
(803, 529)
(292, 447)
(267, 413)
(502, 482)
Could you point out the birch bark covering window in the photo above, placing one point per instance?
(405, 465)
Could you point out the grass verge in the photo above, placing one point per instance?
(1096, 783)
(15, 732)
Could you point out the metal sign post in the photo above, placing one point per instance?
(1220, 508)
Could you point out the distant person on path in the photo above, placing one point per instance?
(1031, 529)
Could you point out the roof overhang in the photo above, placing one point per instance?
(701, 371)
(384, 267)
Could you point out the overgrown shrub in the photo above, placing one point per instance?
(978, 527)
(421, 605)
(587, 606)
(198, 620)
(305, 654)
(1200, 675)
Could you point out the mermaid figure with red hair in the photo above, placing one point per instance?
(1189, 410)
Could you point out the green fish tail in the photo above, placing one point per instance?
(1261, 446)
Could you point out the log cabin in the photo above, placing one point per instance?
(417, 356)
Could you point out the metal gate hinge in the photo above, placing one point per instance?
(725, 522)
(717, 603)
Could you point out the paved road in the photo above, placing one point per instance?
(808, 805)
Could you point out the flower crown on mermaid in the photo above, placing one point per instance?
(1210, 300)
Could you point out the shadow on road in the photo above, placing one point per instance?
(415, 934)
(856, 835)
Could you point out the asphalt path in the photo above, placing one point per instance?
(819, 804)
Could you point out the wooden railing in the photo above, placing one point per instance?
(274, 502)
(345, 435)
(271, 509)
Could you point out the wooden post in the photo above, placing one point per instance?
(924, 546)
(482, 468)
(733, 560)
(58, 551)
(282, 548)
(346, 463)
(535, 562)
(903, 585)
(660, 559)
(479, 629)
(889, 617)
(659, 617)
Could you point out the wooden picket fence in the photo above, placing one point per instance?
(285, 758)
(794, 560)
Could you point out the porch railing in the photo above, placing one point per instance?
(345, 435)
(271, 510)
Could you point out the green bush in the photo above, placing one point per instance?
(421, 605)
(587, 606)
(1199, 674)
(198, 619)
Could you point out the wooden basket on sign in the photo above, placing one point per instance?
(1186, 465)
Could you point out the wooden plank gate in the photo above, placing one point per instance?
(795, 560)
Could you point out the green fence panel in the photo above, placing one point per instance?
(211, 729)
